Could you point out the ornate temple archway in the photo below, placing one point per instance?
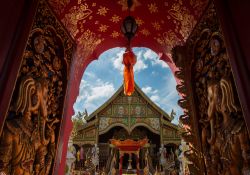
(87, 23)
(160, 44)
(99, 18)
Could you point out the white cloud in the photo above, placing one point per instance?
(152, 94)
(154, 58)
(165, 97)
(149, 90)
(117, 63)
(93, 93)
(97, 92)
(89, 74)
(140, 64)
(160, 62)
(154, 73)
(155, 98)
(149, 54)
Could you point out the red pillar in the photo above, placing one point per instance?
(16, 18)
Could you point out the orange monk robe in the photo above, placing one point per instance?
(129, 60)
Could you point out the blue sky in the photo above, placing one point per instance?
(104, 76)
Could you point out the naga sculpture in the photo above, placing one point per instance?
(224, 134)
(22, 148)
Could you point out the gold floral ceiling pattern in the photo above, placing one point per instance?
(95, 25)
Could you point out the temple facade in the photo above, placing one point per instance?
(133, 117)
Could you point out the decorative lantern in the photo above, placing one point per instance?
(129, 28)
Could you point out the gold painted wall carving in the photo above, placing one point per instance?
(224, 137)
(225, 141)
(29, 140)
(213, 120)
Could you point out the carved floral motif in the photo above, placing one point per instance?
(104, 123)
(155, 123)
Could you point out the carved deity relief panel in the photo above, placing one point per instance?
(168, 133)
(138, 111)
(106, 122)
(132, 106)
(91, 134)
(225, 140)
(120, 110)
(28, 143)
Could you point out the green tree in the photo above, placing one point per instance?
(78, 120)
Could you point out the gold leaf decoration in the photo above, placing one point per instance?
(156, 25)
(102, 11)
(115, 34)
(145, 32)
(76, 14)
(86, 45)
(103, 28)
(152, 8)
(139, 21)
(167, 40)
(182, 15)
(115, 18)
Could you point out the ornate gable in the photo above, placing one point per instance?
(130, 112)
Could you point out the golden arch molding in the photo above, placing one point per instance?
(129, 130)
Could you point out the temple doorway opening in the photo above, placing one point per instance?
(138, 133)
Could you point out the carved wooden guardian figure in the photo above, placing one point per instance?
(21, 142)
(227, 138)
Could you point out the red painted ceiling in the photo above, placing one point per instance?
(95, 24)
